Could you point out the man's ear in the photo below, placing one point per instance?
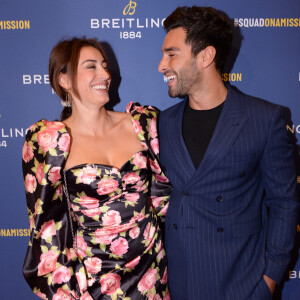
(65, 81)
(206, 56)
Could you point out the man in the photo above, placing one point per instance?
(232, 217)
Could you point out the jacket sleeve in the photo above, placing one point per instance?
(279, 176)
(145, 124)
(51, 268)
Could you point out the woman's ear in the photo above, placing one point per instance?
(65, 81)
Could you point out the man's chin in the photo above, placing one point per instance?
(172, 94)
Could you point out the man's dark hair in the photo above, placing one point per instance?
(205, 26)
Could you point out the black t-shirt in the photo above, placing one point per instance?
(197, 129)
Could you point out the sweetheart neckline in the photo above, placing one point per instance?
(103, 165)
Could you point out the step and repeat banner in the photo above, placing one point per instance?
(264, 63)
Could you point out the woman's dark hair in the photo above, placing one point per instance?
(64, 59)
(204, 26)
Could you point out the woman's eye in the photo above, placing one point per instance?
(105, 66)
(91, 67)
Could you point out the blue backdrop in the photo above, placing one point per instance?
(264, 63)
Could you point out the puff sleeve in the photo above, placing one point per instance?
(144, 120)
(50, 264)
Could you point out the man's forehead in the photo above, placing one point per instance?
(175, 40)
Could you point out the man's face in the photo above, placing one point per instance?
(178, 64)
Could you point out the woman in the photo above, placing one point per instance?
(100, 238)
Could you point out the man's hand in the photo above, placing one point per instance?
(271, 283)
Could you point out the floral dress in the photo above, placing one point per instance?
(105, 242)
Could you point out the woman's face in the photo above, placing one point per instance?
(93, 78)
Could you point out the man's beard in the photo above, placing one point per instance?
(186, 78)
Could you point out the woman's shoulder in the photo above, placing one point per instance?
(48, 135)
(138, 109)
(44, 124)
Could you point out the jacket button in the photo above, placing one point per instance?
(220, 229)
(175, 226)
(242, 174)
(185, 193)
(219, 199)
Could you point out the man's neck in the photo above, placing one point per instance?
(211, 93)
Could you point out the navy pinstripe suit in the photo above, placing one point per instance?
(234, 218)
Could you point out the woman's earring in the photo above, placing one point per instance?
(66, 102)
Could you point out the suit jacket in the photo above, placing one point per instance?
(234, 218)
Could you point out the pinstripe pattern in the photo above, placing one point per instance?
(220, 239)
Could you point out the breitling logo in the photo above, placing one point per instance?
(129, 8)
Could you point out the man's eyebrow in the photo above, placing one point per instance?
(170, 49)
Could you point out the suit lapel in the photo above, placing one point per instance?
(228, 127)
(185, 163)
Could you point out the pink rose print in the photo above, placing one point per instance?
(149, 232)
(161, 178)
(92, 212)
(134, 232)
(86, 296)
(110, 283)
(160, 250)
(82, 282)
(53, 125)
(156, 201)
(64, 142)
(164, 279)
(140, 160)
(154, 297)
(132, 197)
(111, 217)
(104, 237)
(88, 202)
(152, 128)
(139, 217)
(62, 294)
(54, 174)
(131, 178)
(87, 175)
(93, 265)
(167, 296)
(155, 166)
(140, 109)
(60, 275)
(48, 230)
(30, 183)
(144, 145)
(41, 295)
(119, 246)
(40, 173)
(148, 280)
(136, 126)
(164, 210)
(47, 263)
(141, 186)
(133, 263)
(81, 246)
(27, 153)
(47, 139)
(58, 191)
(128, 106)
(70, 253)
(107, 186)
(154, 145)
